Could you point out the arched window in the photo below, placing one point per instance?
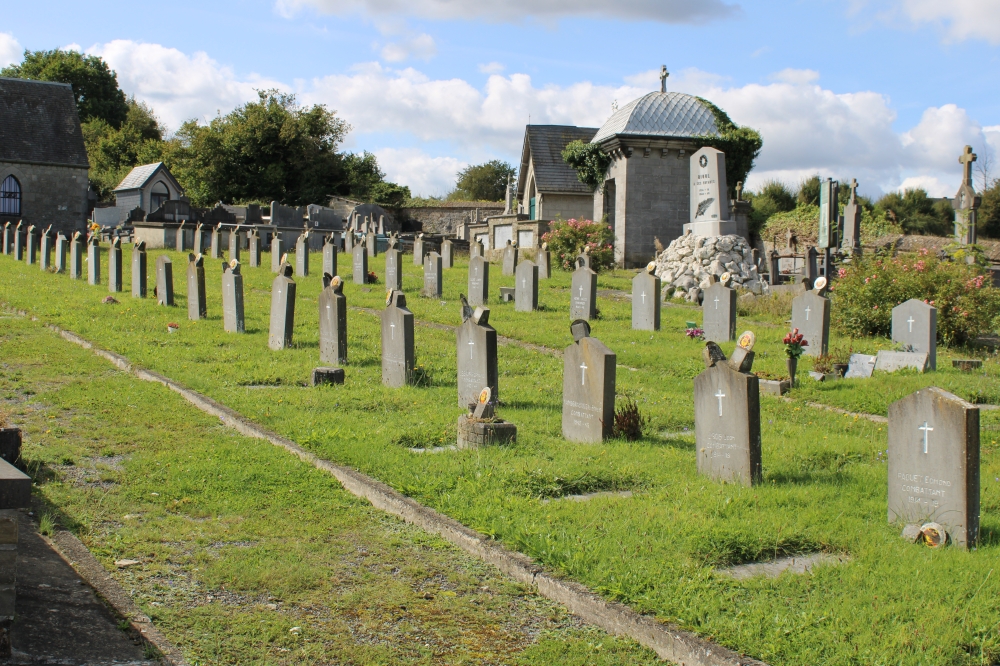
(158, 195)
(10, 196)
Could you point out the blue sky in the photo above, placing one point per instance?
(888, 91)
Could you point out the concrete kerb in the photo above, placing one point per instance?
(669, 642)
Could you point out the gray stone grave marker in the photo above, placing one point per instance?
(215, 252)
(164, 280)
(253, 248)
(179, 238)
(891, 361)
(588, 387)
(6, 238)
(19, 242)
(727, 417)
(232, 298)
(234, 244)
(332, 321)
(76, 256)
(510, 256)
(914, 325)
(719, 313)
(359, 264)
(93, 260)
(475, 248)
(646, 300)
(811, 315)
(447, 256)
(197, 307)
(282, 308)
(115, 268)
(860, 366)
(31, 246)
(330, 254)
(851, 242)
(583, 294)
(418, 250)
(934, 463)
(397, 341)
(544, 260)
(476, 342)
(302, 255)
(199, 239)
(479, 281)
(393, 270)
(432, 275)
(45, 251)
(526, 287)
(277, 251)
(139, 272)
(370, 245)
(349, 241)
(61, 250)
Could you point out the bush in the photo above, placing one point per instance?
(917, 213)
(804, 222)
(866, 292)
(567, 239)
(772, 198)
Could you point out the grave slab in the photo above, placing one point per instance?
(891, 361)
(860, 366)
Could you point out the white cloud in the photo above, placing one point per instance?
(73, 47)
(960, 19)
(424, 175)
(513, 11)
(178, 86)
(11, 51)
(796, 76)
(419, 46)
(491, 68)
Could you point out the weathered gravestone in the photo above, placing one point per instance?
(197, 307)
(232, 298)
(199, 239)
(709, 200)
(282, 308)
(475, 248)
(302, 255)
(588, 387)
(19, 242)
(646, 300)
(479, 281)
(371, 245)
(253, 248)
(359, 264)
(914, 325)
(719, 312)
(234, 244)
(31, 246)
(164, 280)
(526, 287)
(76, 256)
(179, 238)
(447, 257)
(93, 260)
(139, 272)
(860, 366)
(727, 416)
(215, 252)
(332, 321)
(418, 250)
(476, 342)
(61, 250)
(6, 243)
(393, 269)
(811, 315)
(349, 241)
(891, 361)
(851, 242)
(330, 254)
(966, 202)
(432, 275)
(934, 463)
(45, 250)
(583, 293)
(277, 251)
(115, 268)
(510, 256)
(397, 341)
(544, 260)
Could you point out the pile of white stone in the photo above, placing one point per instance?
(686, 265)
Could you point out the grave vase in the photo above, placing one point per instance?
(793, 364)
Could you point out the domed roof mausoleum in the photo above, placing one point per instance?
(662, 115)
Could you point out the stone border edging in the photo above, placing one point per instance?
(669, 642)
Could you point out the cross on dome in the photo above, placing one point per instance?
(663, 78)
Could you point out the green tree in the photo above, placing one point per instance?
(95, 85)
(773, 197)
(917, 213)
(113, 152)
(740, 144)
(989, 212)
(483, 182)
(808, 193)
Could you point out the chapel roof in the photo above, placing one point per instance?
(660, 114)
(39, 123)
(544, 144)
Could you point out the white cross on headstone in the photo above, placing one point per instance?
(720, 395)
(716, 302)
(808, 310)
(471, 345)
(583, 373)
(581, 291)
(644, 298)
(523, 281)
(910, 322)
(926, 429)
(392, 331)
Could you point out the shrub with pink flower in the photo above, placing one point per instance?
(568, 238)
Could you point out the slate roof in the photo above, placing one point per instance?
(670, 114)
(138, 176)
(39, 123)
(552, 174)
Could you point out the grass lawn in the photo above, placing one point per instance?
(824, 483)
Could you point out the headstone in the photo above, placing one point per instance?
(432, 275)
(232, 298)
(62, 244)
(45, 251)
(216, 249)
(709, 202)
(475, 248)
(282, 308)
(76, 256)
(418, 250)
(164, 280)
(583, 294)
(583, 259)
(93, 260)
(197, 307)
(479, 281)
(332, 321)
(397, 341)
(302, 255)
(199, 239)
(371, 245)
(828, 198)
(31, 246)
(19, 242)
(860, 366)
(476, 342)
(914, 325)
(349, 242)
(934, 463)
(359, 264)
(727, 417)
(234, 244)
(646, 300)
(330, 254)
(966, 202)
(253, 247)
(851, 242)
(277, 250)
(544, 260)
(526, 287)
(179, 238)
(588, 387)
(891, 361)
(811, 315)
(115, 268)
(719, 310)
(393, 270)
(509, 259)
(7, 232)
(139, 272)
(447, 259)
